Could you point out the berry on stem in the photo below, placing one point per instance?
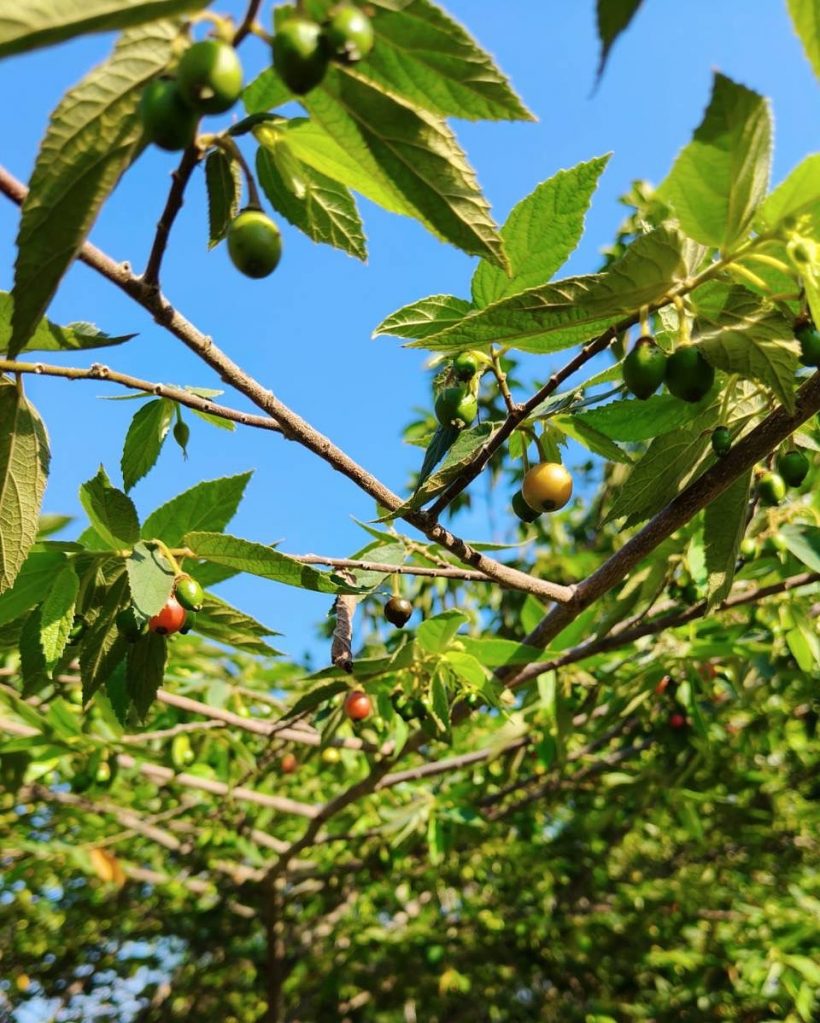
(299, 54)
(547, 487)
(721, 441)
(348, 34)
(357, 705)
(209, 76)
(167, 120)
(456, 406)
(254, 244)
(189, 593)
(644, 368)
(169, 620)
(793, 466)
(771, 489)
(688, 375)
(398, 611)
(522, 509)
(465, 366)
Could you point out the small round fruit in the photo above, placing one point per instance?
(182, 755)
(130, 623)
(793, 467)
(182, 433)
(721, 441)
(547, 487)
(167, 120)
(103, 775)
(677, 720)
(466, 365)
(348, 34)
(771, 489)
(398, 611)
(748, 548)
(288, 764)
(209, 76)
(357, 705)
(688, 375)
(644, 368)
(169, 620)
(809, 338)
(254, 244)
(330, 755)
(299, 54)
(522, 509)
(189, 593)
(456, 406)
(77, 630)
(189, 623)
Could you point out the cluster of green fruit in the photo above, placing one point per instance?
(177, 615)
(792, 468)
(303, 49)
(457, 404)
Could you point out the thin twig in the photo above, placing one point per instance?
(176, 196)
(246, 23)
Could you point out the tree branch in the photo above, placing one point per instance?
(176, 196)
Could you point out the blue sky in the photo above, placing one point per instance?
(306, 330)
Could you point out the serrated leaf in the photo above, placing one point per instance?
(670, 462)
(35, 23)
(435, 634)
(111, 512)
(390, 553)
(57, 614)
(102, 646)
(724, 524)
(424, 55)
(590, 438)
(144, 440)
(739, 334)
(218, 421)
(806, 17)
(426, 317)
(721, 177)
(49, 337)
(225, 624)
(318, 205)
(440, 443)
(91, 138)
(614, 17)
(150, 578)
(413, 154)
(440, 704)
(117, 693)
(265, 92)
(31, 583)
(540, 233)
(24, 464)
(33, 665)
(559, 315)
(631, 420)
(467, 667)
(798, 194)
(257, 559)
(466, 443)
(144, 671)
(804, 543)
(315, 698)
(208, 506)
(223, 180)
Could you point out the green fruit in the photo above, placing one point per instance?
(209, 76)
(721, 441)
(182, 755)
(167, 120)
(77, 630)
(644, 368)
(189, 593)
(398, 611)
(103, 775)
(456, 406)
(771, 489)
(189, 623)
(182, 433)
(348, 34)
(522, 509)
(466, 365)
(299, 54)
(688, 375)
(809, 338)
(793, 467)
(130, 623)
(748, 548)
(254, 244)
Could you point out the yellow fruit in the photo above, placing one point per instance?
(547, 487)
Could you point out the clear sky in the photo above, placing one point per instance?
(306, 330)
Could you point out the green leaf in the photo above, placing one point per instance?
(24, 464)
(724, 524)
(111, 512)
(466, 444)
(315, 698)
(413, 154)
(540, 234)
(467, 667)
(390, 553)
(35, 23)
(720, 178)
(739, 334)
(614, 17)
(806, 17)
(144, 671)
(440, 443)
(424, 55)
(102, 646)
(91, 138)
(265, 92)
(223, 180)
(435, 634)
(48, 337)
(225, 624)
(440, 704)
(498, 653)
(144, 440)
(632, 420)
(804, 543)
(33, 580)
(556, 316)
(318, 205)
(426, 317)
(591, 438)
(208, 506)
(150, 578)
(257, 559)
(117, 693)
(57, 614)
(798, 194)
(33, 665)
(670, 462)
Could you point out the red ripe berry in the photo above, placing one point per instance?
(358, 705)
(677, 721)
(288, 764)
(169, 620)
(663, 685)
